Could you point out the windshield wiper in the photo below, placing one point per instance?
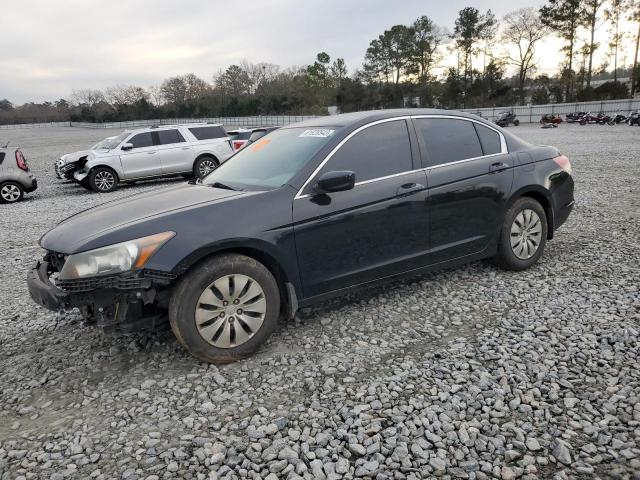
(222, 185)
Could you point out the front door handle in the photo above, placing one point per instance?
(186, 148)
(409, 188)
(498, 167)
(151, 153)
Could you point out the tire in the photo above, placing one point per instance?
(11, 192)
(103, 180)
(195, 301)
(203, 166)
(517, 220)
(516, 122)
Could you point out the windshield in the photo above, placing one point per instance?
(110, 143)
(101, 143)
(273, 160)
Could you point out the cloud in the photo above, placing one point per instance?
(51, 47)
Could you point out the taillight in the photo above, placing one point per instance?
(564, 163)
(238, 144)
(21, 162)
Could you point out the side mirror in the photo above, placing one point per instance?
(336, 181)
(126, 146)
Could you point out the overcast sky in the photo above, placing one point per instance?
(50, 47)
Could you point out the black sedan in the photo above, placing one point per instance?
(310, 211)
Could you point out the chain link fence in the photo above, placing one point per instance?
(526, 114)
(533, 113)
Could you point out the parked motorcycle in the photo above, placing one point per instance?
(507, 117)
(634, 118)
(600, 119)
(575, 117)
(548, 118)
(619, 118)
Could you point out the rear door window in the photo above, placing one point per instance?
(2, 154)
(375, 152)
(489, 139)
(142, 140)
(208, 133)
(167, 137)
(448, 140)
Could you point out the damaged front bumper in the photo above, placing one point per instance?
(110, 300)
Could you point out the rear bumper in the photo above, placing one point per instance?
(563, 213)
(31, 187)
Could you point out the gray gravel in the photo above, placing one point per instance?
(472, 373)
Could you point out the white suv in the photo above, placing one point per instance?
(169, 150)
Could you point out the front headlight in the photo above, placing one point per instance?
(118, 258)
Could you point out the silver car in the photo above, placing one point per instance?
(170, 150)
(63, 171)
(15, 176)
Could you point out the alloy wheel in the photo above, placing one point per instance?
(104, 180)
(10, 193)
(206, 167)
(230, 311)
(526, 234)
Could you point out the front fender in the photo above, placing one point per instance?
(264, 251)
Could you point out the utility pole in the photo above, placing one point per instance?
(634, 79)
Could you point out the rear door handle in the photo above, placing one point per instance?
(498, 167)
(409, 188)
(151, 153)
(186, 148)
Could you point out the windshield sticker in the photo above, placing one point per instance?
(260, 144)
(317, 132)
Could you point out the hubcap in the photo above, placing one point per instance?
(230, 311)
(206, 167)
(104, 180)
(526, 234)
(10, 193)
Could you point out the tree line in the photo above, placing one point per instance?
(404, 66)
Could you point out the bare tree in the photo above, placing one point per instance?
(523, 29)
(87, 96)
(155, 95)
(590, 18)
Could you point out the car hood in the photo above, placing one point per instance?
(72, 157)
(78, 232)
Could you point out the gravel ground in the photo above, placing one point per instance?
(471, 373)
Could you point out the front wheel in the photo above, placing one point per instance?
(11, 192)
(523, 235)
(516, 122)
(103, 180)
(225, 308)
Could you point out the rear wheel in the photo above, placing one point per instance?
(204, 166)
(516, 122)
(103, 180)
(11, 192)
(523, 235)
(225, 308)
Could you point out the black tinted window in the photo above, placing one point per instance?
(142, 140)
(489, 139)
(207, 133)
(167, 137)
(375, 152)
(448, 140)
(1, 157)
(256, 135)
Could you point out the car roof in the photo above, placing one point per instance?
(346, 119)
(155, 128)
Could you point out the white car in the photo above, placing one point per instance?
(60, 167)
(169, 150)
